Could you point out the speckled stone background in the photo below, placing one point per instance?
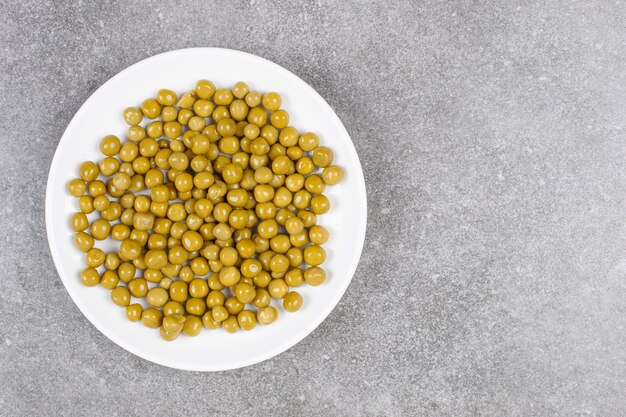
(492, 136)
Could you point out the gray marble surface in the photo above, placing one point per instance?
(492, 136)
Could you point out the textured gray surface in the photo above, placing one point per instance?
(492, 137)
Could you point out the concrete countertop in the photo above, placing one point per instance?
(492, 137)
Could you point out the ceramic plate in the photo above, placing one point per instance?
(179, 70)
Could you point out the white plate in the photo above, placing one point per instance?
(179, 70)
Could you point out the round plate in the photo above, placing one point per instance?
(179, 70)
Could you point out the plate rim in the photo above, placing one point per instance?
(280, 348)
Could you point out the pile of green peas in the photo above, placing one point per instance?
(214, 201)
